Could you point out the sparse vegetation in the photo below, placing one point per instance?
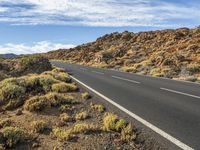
(52, 107)
(144, 52)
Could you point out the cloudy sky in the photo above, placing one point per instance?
(32, 26)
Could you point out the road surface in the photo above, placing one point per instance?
(172, 106)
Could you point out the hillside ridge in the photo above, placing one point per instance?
(170, 53)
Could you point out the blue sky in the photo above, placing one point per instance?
(31, 26)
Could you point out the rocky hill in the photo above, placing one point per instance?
(163, 53)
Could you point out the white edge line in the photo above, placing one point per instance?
(186, 94)
(98, 72)
(146, 123)
(116, 77)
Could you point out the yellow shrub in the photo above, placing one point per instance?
(38, 126)
(85, 95)
(38, 103)
(156, 72)
(81, 115)
(127, 133)
(64, 117)
(13, 135)
(63, 87)
(99, 108)
(193, 67)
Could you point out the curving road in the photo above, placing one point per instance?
(172, 106)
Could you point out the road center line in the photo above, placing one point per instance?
(146, 123)
(178, 92)
(98, 72)
(133, 81)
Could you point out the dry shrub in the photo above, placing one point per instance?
(99, 108)
(38, 103)
(13, 135)
(85, 95)
(81, 116)
(64, 87)
(38, 126)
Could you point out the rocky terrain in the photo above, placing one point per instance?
(163, 53)
(42, 108)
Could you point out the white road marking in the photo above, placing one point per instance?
(146, 123)
(98, 72)
(116, 77)
(186, 94)
(83, 69)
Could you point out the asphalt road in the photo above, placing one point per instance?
(170, 105)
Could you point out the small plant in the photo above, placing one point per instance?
(61, 134)
(109, 122)
(38, 126)
(64, 117)
(65, 108)
(81, 116)
(85, 95)
(12, 135)
(99, 108)
(63, 87)
(127, 133)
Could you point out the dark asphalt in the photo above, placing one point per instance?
(176, 112)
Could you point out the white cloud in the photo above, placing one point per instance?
(99, 12)
(39, 47)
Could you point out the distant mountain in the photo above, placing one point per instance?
(9, 55)
(162, 53)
